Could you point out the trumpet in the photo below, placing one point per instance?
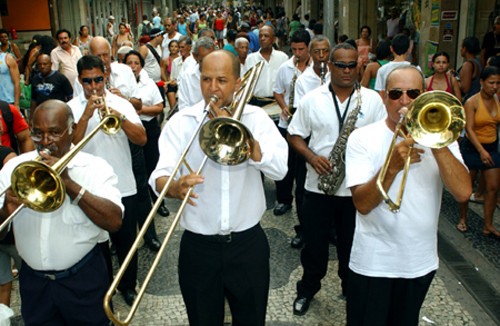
(223, 140)
(113, 122)
(435, 119)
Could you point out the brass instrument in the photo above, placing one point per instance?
(224, 140)
(291, 97)
(113, 122)
(323, 73)
(435, 119)
(39, 186)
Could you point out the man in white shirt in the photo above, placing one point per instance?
(151, 57)
(65, 56)
(63, 278)
(114, 149)
(394, 255)
(189, 79)
(171, 34)
(241, 45)
(320, 116)
(223, 251)
(185, 44)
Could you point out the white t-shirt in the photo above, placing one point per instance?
(166, 42)
(148, 92)
(269, 72)
(189, 90)
(316, 117)
(402, 245)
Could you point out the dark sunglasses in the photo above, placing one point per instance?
(395, 94)
(97, 80)
(342, 65)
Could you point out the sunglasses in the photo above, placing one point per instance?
(395, 94)
(342, 66)
(97, 80)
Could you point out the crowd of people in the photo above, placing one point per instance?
(321, 117)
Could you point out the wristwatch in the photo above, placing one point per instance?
(123, 118)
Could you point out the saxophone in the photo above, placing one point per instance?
(330, 183)
(291, 109)
(322, 75)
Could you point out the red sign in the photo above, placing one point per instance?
(449, 15)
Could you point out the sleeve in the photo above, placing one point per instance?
(359, 165)
(379, 83)
(301, 122)
(55, 60)
(155, 94)
(132, 88)
(19, 123)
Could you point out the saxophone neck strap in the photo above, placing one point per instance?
(340, 116)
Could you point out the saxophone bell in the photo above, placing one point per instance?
(322, 76)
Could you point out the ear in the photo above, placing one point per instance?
(383, 95)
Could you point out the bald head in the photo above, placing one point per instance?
(223, 56)
(58, 108)
(99, 46)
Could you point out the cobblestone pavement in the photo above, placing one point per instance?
(447, 302)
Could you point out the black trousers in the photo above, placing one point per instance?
(238, 270)
(380, 301)
(73, 300)
(284, 187)
(320, 212)
(151, 151)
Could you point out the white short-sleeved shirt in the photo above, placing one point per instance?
(166, 41)
(65, 62)
(189, 90)
(269, 72)
(113, 148)
(316, 117)
(148, 92)
(59, 239)
(306, 82)
(402, 245)
(223, 205)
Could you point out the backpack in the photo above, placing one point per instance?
(146, 28)
(8, 117)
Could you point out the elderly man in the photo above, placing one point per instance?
(64, 278)
(185, 44)
(394, 256)
(224, 251)
(189, 80)
(65, 56)
(114, 149)
(241, 47)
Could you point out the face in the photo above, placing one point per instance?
(365, 33)
(101, 49)
(120, 57)
(169, 26)
(320, 53)
(89, 88)
(402, 79)
(202, 53)
(491, 85)
(64, 40)
(344, 75)
(300, 50)
(4, 38)
(50, 131)
(440, 64)
(44, 65)
(184, 49)
(123, 29)
(85, 31)
(135, 64)
(242, 50)
(217, 78)
(266, 37)
(173, 47)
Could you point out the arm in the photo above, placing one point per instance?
(454, 174)
(152, 110)
(15, 49)
(14, 75)
(427, 82)
(135, 132)
(466, 77)
(113, 47)
(25, 141)
(143, 51)
(281, 101)
(365, 81)
(320, 163)
(455, 86)
(163, 69)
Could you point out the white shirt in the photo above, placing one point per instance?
(306, 82)
(113, 148)
(152, 66)
(189, 90)
(316, 117)
(232, 197)
(187, 64)
(283, 84)
(121, 77)
(65, 62)
(385, 244)
(149, 94)
(166, 42)
(176, 68)
(59, 239)
(269, 72)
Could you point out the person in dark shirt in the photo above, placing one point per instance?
(491, 42)
(49, 84)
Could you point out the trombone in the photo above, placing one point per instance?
(39, 186)
(224, 140)
(435, 119)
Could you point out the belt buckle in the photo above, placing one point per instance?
(50, 277)
(229, 238)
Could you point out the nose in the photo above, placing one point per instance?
(405, 99)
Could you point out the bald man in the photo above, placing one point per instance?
(224, 251)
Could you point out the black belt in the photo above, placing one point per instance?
(56, 275)
(261, 101)
(224, 238)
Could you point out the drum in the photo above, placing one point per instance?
(273, 110)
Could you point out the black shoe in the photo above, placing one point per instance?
(163, 210)
(300, 305)
(129, 296)
(281, 209)
(153, 244)
(297, 242)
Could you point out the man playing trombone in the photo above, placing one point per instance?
(224, 251)
(394, 256)
(64, 277)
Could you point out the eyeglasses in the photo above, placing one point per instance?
(396, 93)
(342, 65)
(97, 80)
(52, 136)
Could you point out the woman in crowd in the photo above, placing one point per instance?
(231, 38)
(294, 25)
(365, 45)
(479, 147)
(441, 80)
(166, 69)
(383, 53)
(7, 47)
(83, 40)
(120, 38)
(232, 21)
(471, 69)
(218, 28)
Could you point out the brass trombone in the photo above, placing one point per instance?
(435, 120)
(39, 186)
(223, 140)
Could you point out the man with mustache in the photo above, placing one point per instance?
(65, 56)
